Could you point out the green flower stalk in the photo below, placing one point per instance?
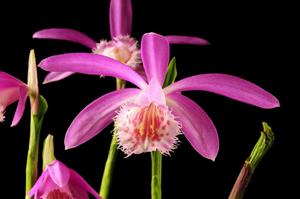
(156, 169)
(109, 167)
(111, 158)
(262, 146)
(39, 107)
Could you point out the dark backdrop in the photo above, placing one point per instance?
(252, 40)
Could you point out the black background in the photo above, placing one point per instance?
(253, 40)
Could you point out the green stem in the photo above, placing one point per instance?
(111, 158)
(156, 163)
(120, 84)
(262, 146)
(109, 167)
(36, 121)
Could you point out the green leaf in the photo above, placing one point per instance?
(171, 73)
(43, 107)
(262, 146)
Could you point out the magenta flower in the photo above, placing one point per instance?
(59, 181)
(12, 90)
(121, 47)
(150, 118)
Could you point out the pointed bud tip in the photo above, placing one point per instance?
(32, 82)
(267, 130)
(32, 53)
(50, 137)
(48, 151)
(266, 127)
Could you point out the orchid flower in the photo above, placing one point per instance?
(150, 117)
(121, 47)
(59, 181)
(13, 90)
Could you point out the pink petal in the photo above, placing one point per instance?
(155, 51)
(155, 92)
(38, 184)
(12, 89)
(77, 191)
(120, 17)
(6, 84)
(67, 35)
(92, 64)
(59, 173)
(9, 88)
(196, 125)
(9, 79)
(56, 76)
(9, 95)
(47, 185)
(21, 106)
(229, 86)
(178, 39)
(76, 178)
(96, 116)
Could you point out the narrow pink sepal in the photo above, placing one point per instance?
(67, 35)
(229, 86)
(92, 64)
(196, 125)
(56, 76)
(179, 39)
(96, 116)
(21, 106)
(155, 51)
(59, 173)
(120, 17)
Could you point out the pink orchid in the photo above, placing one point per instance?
(59, 181)
(151, 117)
(12, 90)
(121, 46)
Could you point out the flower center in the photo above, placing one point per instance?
(57, 194)
(121, 48)
(146, 129)
(121, 54)
(2, 111)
